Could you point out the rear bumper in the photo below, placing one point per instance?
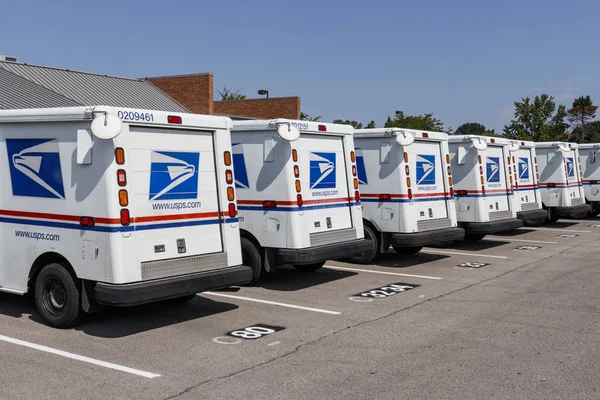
(485, 228)
(427, 238)
(569, 211)
(532, 215)
(317, 254)
(131, 294)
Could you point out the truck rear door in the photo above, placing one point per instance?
(496, 199)
(572, 174)
(525, 178)
(174, 202)
(324, 182)
(428, 183)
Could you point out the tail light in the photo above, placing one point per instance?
(322, 128)
(405, 157)
(481, 179)
(408, 181)
(294, 155)
(298, 186)
(449, 170)
(230, 194)
(483, 189)
(123, 198)
(451, 192)
(508, 159)
(479, 159)
(297, 171)
(352, 156)
(120, 155)
(354, 170)
(410, 193)
(447, 158)
(227, 158)
(551, 185)
(121, 177)
(480, 170)
(125, 220)
(269, 204)
(355, 183)
(450, 181)
(357, 196)
(425, 134)
(385, 196)
(299, 200)
(493, 140)
(87, 221)
(461, 192)
(407, 170)
(232, 210)
(229, 177)
(174, 119)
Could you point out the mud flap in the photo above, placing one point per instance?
(88, 299)
(386, 241)
(270, 260)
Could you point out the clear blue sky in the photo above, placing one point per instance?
(463, 60)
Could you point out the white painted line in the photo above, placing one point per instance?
(462, 254)
(556, 230)
(78, 357)
(508, 239)
(382, 272)
(273, 344)
(274, 303)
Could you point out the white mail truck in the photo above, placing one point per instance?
(297, 191)
(560, 180)
(483, 180)
(590, 166)
(115, 206)
(406, 190)
(526, 187)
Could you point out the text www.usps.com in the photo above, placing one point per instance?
(38, 236)
(179, 205)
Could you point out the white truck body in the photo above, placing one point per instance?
(157, 225)
(560, 179)
(297, 199)
(483, 184)
(590, 167)
(406, 189)
(527, 197)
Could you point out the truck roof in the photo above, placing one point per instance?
(524, 143)
(589, 145)
(303, 126)
(488, 139)
(387, 132)
(572, 145)
(85, 113)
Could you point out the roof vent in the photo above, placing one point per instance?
(8, 58)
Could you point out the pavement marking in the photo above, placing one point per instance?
(557, 229)
(78, 357)
(274, 303)
(508, 239)
(273, 344)
(462, 254)
(381, 272)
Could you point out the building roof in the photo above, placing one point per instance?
(28, 86)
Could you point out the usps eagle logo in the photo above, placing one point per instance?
(425, 169)
(570, 167)
(35, 169)
(239, 167)
(523, 168)
(322, 170)
(360, 167)
(174, 175)
(492, 168)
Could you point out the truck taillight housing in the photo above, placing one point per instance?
(123, 198)
(174, 119)
(407, 170)
(227, 158)
(385, 196)
(294, 155)
(451, 192)
(481, 179)
(269, 204)
(354, 170)
(322, 128)
(408, 181)
(483, 189)
(449, 170)
(296, 171)
(356, 196)
(87, 221)
(449, 181)
(405, 157)
(230, 194)
(125, 220)
(355, 183)
(232, 210)
(298, 186)
(447, 158)
(120, 155)
(461, 192)
(479, 159)
(121, 177)
(410, 193)
(551, 185)
(299, 200)
(352, 156)
(425, 134)
(229, 176)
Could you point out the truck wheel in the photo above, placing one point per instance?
(407, 251)
(57, 296)
(534, 222)
(309, 267)
(251, 257)
(473, 237)
(552, 216)
(368, 256)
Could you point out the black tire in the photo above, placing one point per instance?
(368, 256)
(252, 258)
(309, 267)
(552, 215)
(407, 251)
(534, 222)
(58, 296)
(473, 237)
(181, 300)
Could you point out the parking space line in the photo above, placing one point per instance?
(462, 254)
(557, 230)
(78, 357)
(382, 272)
(273, 303)
(508, 239)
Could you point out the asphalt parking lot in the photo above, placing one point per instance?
(513, 316)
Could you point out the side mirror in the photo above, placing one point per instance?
(404, 138)
(479, 144)
(288, 132)
(106, 126)
(513, 146)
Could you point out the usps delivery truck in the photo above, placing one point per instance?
(298, 195)
(406, 190)
(526, 187)
(590, 163)
(560, 180)
(483, 180)
(115, 206)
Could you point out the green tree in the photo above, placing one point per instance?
(426, 122)
(592, 132)
(580, 116)
(540, 120)
(371, 125)
(355, 124)
(474, 128)
(230, 94)
(306, 117)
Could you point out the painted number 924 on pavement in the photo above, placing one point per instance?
(135, 116)
(387, 291)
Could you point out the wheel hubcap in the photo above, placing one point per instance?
(54, 297)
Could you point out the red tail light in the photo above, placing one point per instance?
(410, 193)
(229, 176)
(551, 185)
(322, 128)
(87, 221)
(425, 134)
(296, 171)
(354, 170)
(232, 210)
(356, 196)
(121, 177)
(385, 197)
(125, 217)
(483, 189)
(493, 140)
(269, 204)
(461, 192)
(451, 192)
(299, 200)
(174, 119)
